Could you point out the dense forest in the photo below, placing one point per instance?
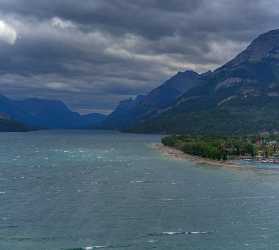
(224, 148)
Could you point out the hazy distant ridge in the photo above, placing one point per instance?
(49, 114)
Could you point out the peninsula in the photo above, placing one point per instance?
(262, 148)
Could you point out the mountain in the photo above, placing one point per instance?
(240, 97)
(130, 112)
(50, 114)
(8, 125)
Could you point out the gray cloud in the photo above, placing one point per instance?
(92, 54)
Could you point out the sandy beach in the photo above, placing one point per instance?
(176, 154)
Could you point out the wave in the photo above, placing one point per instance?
(100, 247)
(161, 234)
(171, 233)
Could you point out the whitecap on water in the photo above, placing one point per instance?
(101, 247)
(90, 248)
(151, 241)
(137, 181)
(19, 177)
(166, 199)
(174, 233)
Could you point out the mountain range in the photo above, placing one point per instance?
(36, 113)
(240, 97)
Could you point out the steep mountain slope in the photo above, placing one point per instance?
(39, 113)
(130, 112)
(240, 97)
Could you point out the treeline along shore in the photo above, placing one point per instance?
(222, 148)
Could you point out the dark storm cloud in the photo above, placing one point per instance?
(93, 53)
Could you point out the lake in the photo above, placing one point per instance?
(74, 190)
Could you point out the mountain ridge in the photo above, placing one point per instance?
(130, 111)
(37, 113)
(242, 96)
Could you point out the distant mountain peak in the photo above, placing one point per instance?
(264, 46)
(187, 72)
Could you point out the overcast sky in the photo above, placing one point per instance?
(94, 53)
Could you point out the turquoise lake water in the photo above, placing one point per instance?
(73, 190)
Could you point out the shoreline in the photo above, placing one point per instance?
(175, 154)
